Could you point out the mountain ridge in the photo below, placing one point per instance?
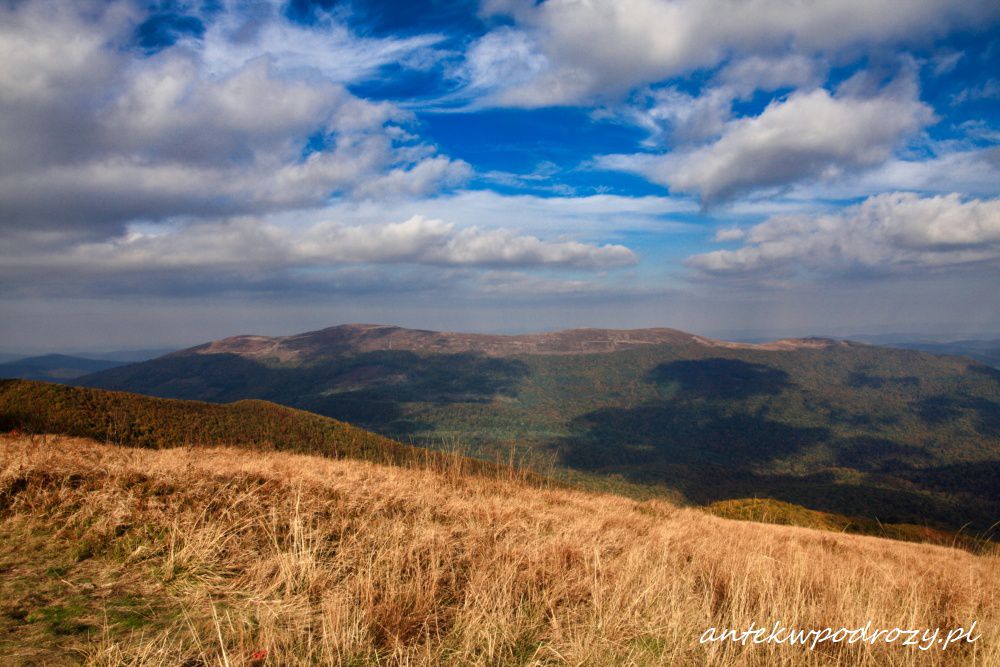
(386, 337)
(55, 367)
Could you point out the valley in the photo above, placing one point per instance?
(897, 436)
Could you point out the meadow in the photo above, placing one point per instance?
(221, 556)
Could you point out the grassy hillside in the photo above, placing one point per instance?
(889, 435)
(141, 421)
(219, 556)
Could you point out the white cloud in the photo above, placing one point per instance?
(673, 116)
(92, 137)
(946, 170)
(749, 74)
(500, 60)
(328, 48)
(428, 241)
(988, 90)
(888, 233)
(594, 216)
(251, 245)
(810, 135)
(945, 61)
(947, 167)
(607, 47)
(729, 234)
(170, 109)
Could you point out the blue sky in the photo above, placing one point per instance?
(172, 172)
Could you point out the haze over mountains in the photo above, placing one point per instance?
(900, 435)
(986, 351)
(54, 367)
(58, 367)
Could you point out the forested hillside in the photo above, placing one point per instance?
(895, 435)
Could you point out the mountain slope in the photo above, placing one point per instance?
(886, 434)
(227, 557)
(54, 367)
(984, 351)
(141, 421)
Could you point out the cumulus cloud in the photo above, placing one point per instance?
(809, 135)
(767, 73)
(255, 247)
(567, 50)
(946, 170)
(92, 136)
(888, 233)
(940, 168)
(729, 234)
(673, 116)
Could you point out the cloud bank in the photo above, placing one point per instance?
(893, 233)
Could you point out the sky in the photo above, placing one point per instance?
(174, 172)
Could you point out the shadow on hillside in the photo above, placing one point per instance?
(681, 432)
(369, 389)
(875, 454)
(374, 389)
(981, 478)
(822, 491)
(863, 380)
(217, 378)
(706, 420)
(943, 408)
(988, 371)
(719, 378)
(719, 431)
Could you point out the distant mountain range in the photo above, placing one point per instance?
(54, 367)
(897, 435)
(68, 367)
(986, 351)
(127, 356)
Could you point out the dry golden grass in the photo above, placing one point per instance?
(239, 558)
